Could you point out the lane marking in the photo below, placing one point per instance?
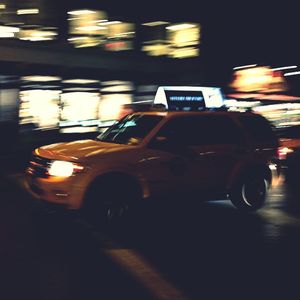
(141, 270)
(134, 264)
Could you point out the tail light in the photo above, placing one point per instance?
(283, 152)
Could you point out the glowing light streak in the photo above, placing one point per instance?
(284, 68)
(244, 67)
(155, 23)
(81, 12)
(29, 11)
(292, 73)
(8, 29)
(181, 26)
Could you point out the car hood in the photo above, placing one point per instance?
(78, 150)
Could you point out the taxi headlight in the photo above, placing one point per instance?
(64, 168)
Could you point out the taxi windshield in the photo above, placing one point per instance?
(130, 130)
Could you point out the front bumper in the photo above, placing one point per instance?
(58, 192)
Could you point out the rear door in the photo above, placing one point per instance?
(261, 137)
(218, 144)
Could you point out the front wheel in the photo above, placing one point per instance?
(109, 202)
(249, 193)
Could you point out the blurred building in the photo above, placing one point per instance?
(265, 90)
(76, 65)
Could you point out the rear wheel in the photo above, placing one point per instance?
(250, 192)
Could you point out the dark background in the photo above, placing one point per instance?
(233, 33)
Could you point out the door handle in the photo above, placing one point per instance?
(207, 153)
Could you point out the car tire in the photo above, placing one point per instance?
(250, 191)
(109, 202)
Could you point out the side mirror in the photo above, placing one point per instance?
(166, 143)
(159, 142)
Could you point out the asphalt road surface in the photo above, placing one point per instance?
(183, 251)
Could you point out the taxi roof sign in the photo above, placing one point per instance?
(189, 98)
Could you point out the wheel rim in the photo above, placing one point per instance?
(113, 211)
(109, 213)
(253, 192)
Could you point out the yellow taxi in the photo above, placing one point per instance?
(158, 154)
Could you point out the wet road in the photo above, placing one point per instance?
(207, 251)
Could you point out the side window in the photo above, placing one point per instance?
(218, 130)
(178, 130)
(258, 127)
(202, 130)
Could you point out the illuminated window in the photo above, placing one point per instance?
(184, 40)
(78, 107)
(8, 31)
(26, 20)
(155, 40)
(115, 95)
(37, 34)
(39, 107)
(86, 28)
(91, 28)
(174, 40)
(39, 101)
(120, 36)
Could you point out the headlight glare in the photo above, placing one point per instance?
(63, 168)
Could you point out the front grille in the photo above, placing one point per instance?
(38, 166)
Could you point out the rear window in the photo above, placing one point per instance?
(259, 129)
(290, 132)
